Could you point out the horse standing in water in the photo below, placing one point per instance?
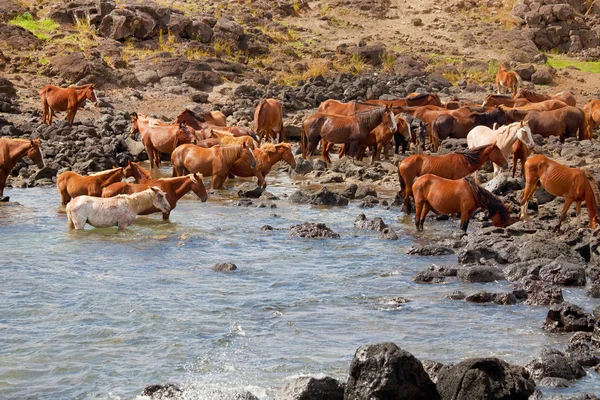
(571, 183)
(268, 121)
(201, 119)
(117, 211)
(70, 184)
(11, 151)
(507, 79)
(266, 156)
(449, 196)
(67, 99)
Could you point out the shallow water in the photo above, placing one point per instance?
(101, 314)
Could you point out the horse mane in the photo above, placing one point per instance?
(231, 153)
(419, 96)
(499, 96)
(201, 116)
(488, 200)
(106, 172)
(371, 117)
(140, 200)
(268, 148)
(144, 172)
(473, 156)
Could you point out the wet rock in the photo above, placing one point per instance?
(435, 274)
(505, 299)
(547, 248)
(480, 297)
(593, 290)
(552, 363)
(567, 317)
(456, 295)
(540, 293)
(299, 197)
(581, 352)
(45, 173)
(349, 191)
(312, 230)
(484, 378)
(162, 391)
(302, 166)
(376, 224)
(479, 273)
(224, 267)
(516, 271)
(311, 388)
(430, 250)
(562, 272)
(384, 371)
(388, 233)
(325, 197)
(364, 191)
(432, 368)
(249, 189)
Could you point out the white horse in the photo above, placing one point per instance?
(505, 137)
(114, 211)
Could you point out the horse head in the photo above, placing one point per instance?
(35, 153)
(185, 134)
(406, 133)
(198, 186)
(90, 94)
(523, 94)
(134, 124)
(248, 156)
(159, 200)
(388, 119)
(524, 134)
(288, 155)
(495, 154)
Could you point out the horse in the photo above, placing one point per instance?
(342, 129)
(504, 137)
(266, 156)
(382, 135)
(458, 126)
(200, 119)
(11, 151)
(268, 120)
(520, 153)
(418, 135)
(592, 117)
(216, 161)
(135, 170)
(564, 122)
(449, 196)
(160, 138)
(449, 166)
(174, 189)
(412, 100)
(455, 103)
(534, 97)
(65, 99)
(571, 183)
(507, 79)
(117, 211)
(227, 140)
(211, 131)
(70, 184)
(428, 115)
(546, 105)
(494, 100)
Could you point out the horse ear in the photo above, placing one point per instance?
(521, 124)
(244, 145)
(155, 189)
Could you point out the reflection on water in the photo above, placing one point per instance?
(102, 313)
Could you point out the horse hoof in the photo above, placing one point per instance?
(4, 199)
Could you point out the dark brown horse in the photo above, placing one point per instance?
(462, 196)
(413, 100)
(268, 120)
(564, 122)
(459, 126)
(534, 97)
(11, 151)
(455, 103)
(67, 99)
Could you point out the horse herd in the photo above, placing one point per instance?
(201, 144)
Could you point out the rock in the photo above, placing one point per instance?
(384, 371)
(456, 295)
(552, 363)
(228, 28)
(224, 267)
(76, 67)
(408, 66)
(480, 297)
(388, 233)
(194, 78)
(582, 353)
(7, 87)
(376, 224)
(249, 189)
(364, 191)
(479, 273)
(325, 197)
(430, 250)
(541, 77)
(593, 290)
(147, 76)
(311, 388)
(134, 147)
(311, 230)
(497, 185)
(10, 9)
(416, 21)
(45, 173)
(200, 97)
(302, 166)
(540, 293)
(163, 391)
(349, 191)
(484, 378)
(299, 197)
(567, 317)
(432, 368)
(561, 272)
(371, 53)
(525, 72)
(19, 38)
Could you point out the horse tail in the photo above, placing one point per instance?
(281, 127)
(435, 137)
(487, 200)
(402, 182)
(303, 139)
(70, 219)
(593, 186)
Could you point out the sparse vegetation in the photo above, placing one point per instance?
(560, 61)
(40, 28)
(166, 43)
(388, 60)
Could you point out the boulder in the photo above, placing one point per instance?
(228, 29)
(479, 273)
(525, 72)
(567, 317)
(162, 391)
(10, 9)
(311, 388)
(376, 224)
(19, 38)
(76, 67)
(484, 378)
(541, 77)
(593, 290)
(134, 147)
(224, 267)
(562, 272)
(540, 293)
(325, 197)
(312, 230)
(384, 371)
(370, 53)
(249, 189)
(7, 87)
(552, 363)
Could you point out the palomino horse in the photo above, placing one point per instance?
(174, 189)
(342, 129)
(117, 211)
(592, 117)
(216, 161)
(68, 99)
(458, 126)
(449, 196)
(70, 184)
(266, 156)
(571, 183)
(494, 100)
(564, 122)
(11, 151)
(507, 79)
(449, 166)
(534, 97)
(229, 140)
(201, 119)
(160, 138)
(268, 121)
(504, 137)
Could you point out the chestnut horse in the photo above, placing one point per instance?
(228, 140)
(564, 122)
(380, 137)
(592, 117)
(428, 115)
(342, 129)
(520, 153)
(546, 105)
(413, 100)
(268, 121)
(11, 151)
(449, 166)
(571, 183)
(159, 138)
(449, 196)
(174, 189)
(507, 79)
(534, 97)
(216, 161)
(331, 106)
(67, 99)
(458, 126)
(198, 120)
(70, 184)
(500, 99)
(266, 156)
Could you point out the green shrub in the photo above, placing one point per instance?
(40, 28)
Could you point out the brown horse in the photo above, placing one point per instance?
(342, 129)
(534, 97)
(564, 122)
(571, 183)
(449, 196)
(507, 79)
(70, 184)
(228, 140)
(198, 120)
(159, 138)
(216, 161)
(494, 100)
(449, 166)
(11, 151)
(412, 100)
(268, 121)
(135, 170)
(266, 156)
(458, 126)
(455, 103)
(592, 117)
(520, 153)
(68, 99)
(174, 189)
(546, 105)
(212, 131)
(380, 137)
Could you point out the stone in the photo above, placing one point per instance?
(540, 293)
(45, 173)
(19, 38)
(593, 290)
(525, 72)
(325, 197)
(479, 273)
(224, 267)
(370, 53)
(311, 388)
(541, 77)
(567, 317)
(147, 76)
(200, 97)
(162, 391)
(134, 147)
(312, 230)
(553, 363)
(7, 87)
(562, 272)
(249, 189)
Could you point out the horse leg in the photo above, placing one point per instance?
(568, 202)
(514, 166)
(531, 178)
(44, 111)
(217, 181)
(418, 208)
(578, 210)
(407, 194)
(262, 182)
(424, 212)
(465, 217)
(51, 115)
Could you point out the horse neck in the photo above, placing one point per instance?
(179, 187)
(112, 177)
(18, 151)
(80, 94)
(509, 136)
(231, 154)
(139, 201)
(482, 159)
(591, 199)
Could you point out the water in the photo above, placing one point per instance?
(101, 314)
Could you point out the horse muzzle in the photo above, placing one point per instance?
(253, 164)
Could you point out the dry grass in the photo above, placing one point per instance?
(166, 42)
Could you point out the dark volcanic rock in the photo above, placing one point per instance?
(384, 371)
(568, 317)
(159, 392)
(562, 272)
(224, 267)
(479, 273)
(430, 250)
(540, 293)
(311, 230)
(311, 388)
(484, 378)
(249, 189)
(553, 363)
